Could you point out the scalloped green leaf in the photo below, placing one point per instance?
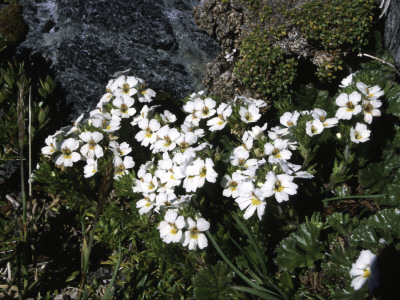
(301, 248)
(213, 282)
(383, 225)
(393, 98)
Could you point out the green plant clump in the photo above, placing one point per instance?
(336, 27)
(265, 67)
(12, 26)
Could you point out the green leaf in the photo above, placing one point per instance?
(300, 248)
(383, 225)
(213, 282)
(72, 276)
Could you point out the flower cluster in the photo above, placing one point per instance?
(182, 158)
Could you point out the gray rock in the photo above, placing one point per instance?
(87, 42)
(392, 31)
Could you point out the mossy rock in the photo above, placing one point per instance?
(12, 26)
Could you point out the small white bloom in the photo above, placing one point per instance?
(51, 147)
(148, 133)
(372, 93)
(365, 269)
(314, 127)
(205, 108)
(121, 166)
(124, 107)
(320, 114)
(171, 227)
(252, 200)
(68, 156)
(348, 105)
(91, 168)
(124, 87)
(167, 138)
(230, 184)
(91, 149)
(360, 133)
(120, 149)
(106, 121)
(146, 95)
(194, 237)
(168, 117)
(279, 185)
(250, 114)
(190, 108)
(146, 204)
(277, 132)
(370, 109)
(278, 151)
(346, 81)
(289, 119)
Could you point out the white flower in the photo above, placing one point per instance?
(346, 81)
(348, 105)
(171, 227)
(224, 111)
(197, 173)
(149, 183)
(365, 269)
(252, 200)
(168, 117)
(277, 132)
(194, 237)
(230, 184)
(146, 204)
(314, 127)
(257, 132)
(120, 149)
(239, 156)
(75, 125)
(190, 107)
(124, 107)
(91, 168)
(124, 87)
(91, 149)
(250, 114)
(68, 156)
(166, 138)
(148, 133)
(186, 139)
(106, 121)
(289, 119)
(320, 114)
(205, 108)
(51, 147)
(278, 151)
(121, 166)
(146, 95)
(370, 109)
(360, 133)
(279, 185)
(372, 93)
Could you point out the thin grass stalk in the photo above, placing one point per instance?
(86, 250)
(21, 137)
(30, 141)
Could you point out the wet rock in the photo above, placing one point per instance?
(87, 42)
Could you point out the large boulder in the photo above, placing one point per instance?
(87, 42)
(392, 30)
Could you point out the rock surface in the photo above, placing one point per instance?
(392, 31)
(87, 42)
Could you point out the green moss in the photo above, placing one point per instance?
(264, 67)
(12, 26)
(336, 27)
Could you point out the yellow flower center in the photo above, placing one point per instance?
(278, 187)
(255, 201)
(276, 153)
(350, 106)
(125, 88)
(194, 233)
